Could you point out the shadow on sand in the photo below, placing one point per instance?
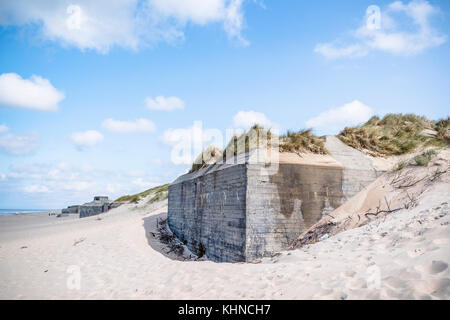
(153, 237)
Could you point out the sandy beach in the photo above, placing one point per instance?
(118, 255)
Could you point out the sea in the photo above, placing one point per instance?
(11, 212)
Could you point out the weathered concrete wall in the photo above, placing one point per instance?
(234, 213)
(71, 210)
(92, 210)
(283, 204)
(207, 212)
(358, 172)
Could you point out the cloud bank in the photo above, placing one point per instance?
(19, 144)
(99, 25)
(333, 120)
(164, 104)
(86, 139)
(401, 29)
(35, 93)
(140, 125)
(246, 119)
(35, 189)
(3, 128)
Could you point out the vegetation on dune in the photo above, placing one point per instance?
(208, 157)
(255, 137)
(247, 141)
(443, 130)
(302, 141)
(401, 165)
(395, 134)
(161, 193)
(251, 139)
(424, 158)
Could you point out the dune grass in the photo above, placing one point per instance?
(251, 139)
(424, 158)
(255, 137)
(208, 157)
(302, 141)
(395, 134)
(160, 195)
(443, 130)
(161, 192)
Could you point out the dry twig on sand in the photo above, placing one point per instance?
(168, 238)
(78, 241)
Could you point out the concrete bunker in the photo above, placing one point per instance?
(244, 211)
(99, 205)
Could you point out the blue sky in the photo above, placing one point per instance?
(226, 63)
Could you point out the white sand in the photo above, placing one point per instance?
(403, 255)
(410, 252)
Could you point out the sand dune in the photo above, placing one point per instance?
(391, 192)
(405, 255)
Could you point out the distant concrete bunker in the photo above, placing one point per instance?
(233, 212)
(99, 205)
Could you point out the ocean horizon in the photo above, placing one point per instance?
(11, 212)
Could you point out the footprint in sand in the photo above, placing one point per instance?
(433, 267)
(438, 267)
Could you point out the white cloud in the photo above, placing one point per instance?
(102, 24)
(172, 137)
(35, 189)
(260, 3)
(350, 114)
(78, 186)
(246, 119)
(113, 188)
(201, 12)
(165, 104)
(19, 145)
(332, 52)
(403, 29)
(197, 11)
(137, 173)
(234, 20)
(156, 161)
(87, 138)
(140, 125)
(34, 93)
(193, 135)
(143, 184)
(188, 143)
(3, 128)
